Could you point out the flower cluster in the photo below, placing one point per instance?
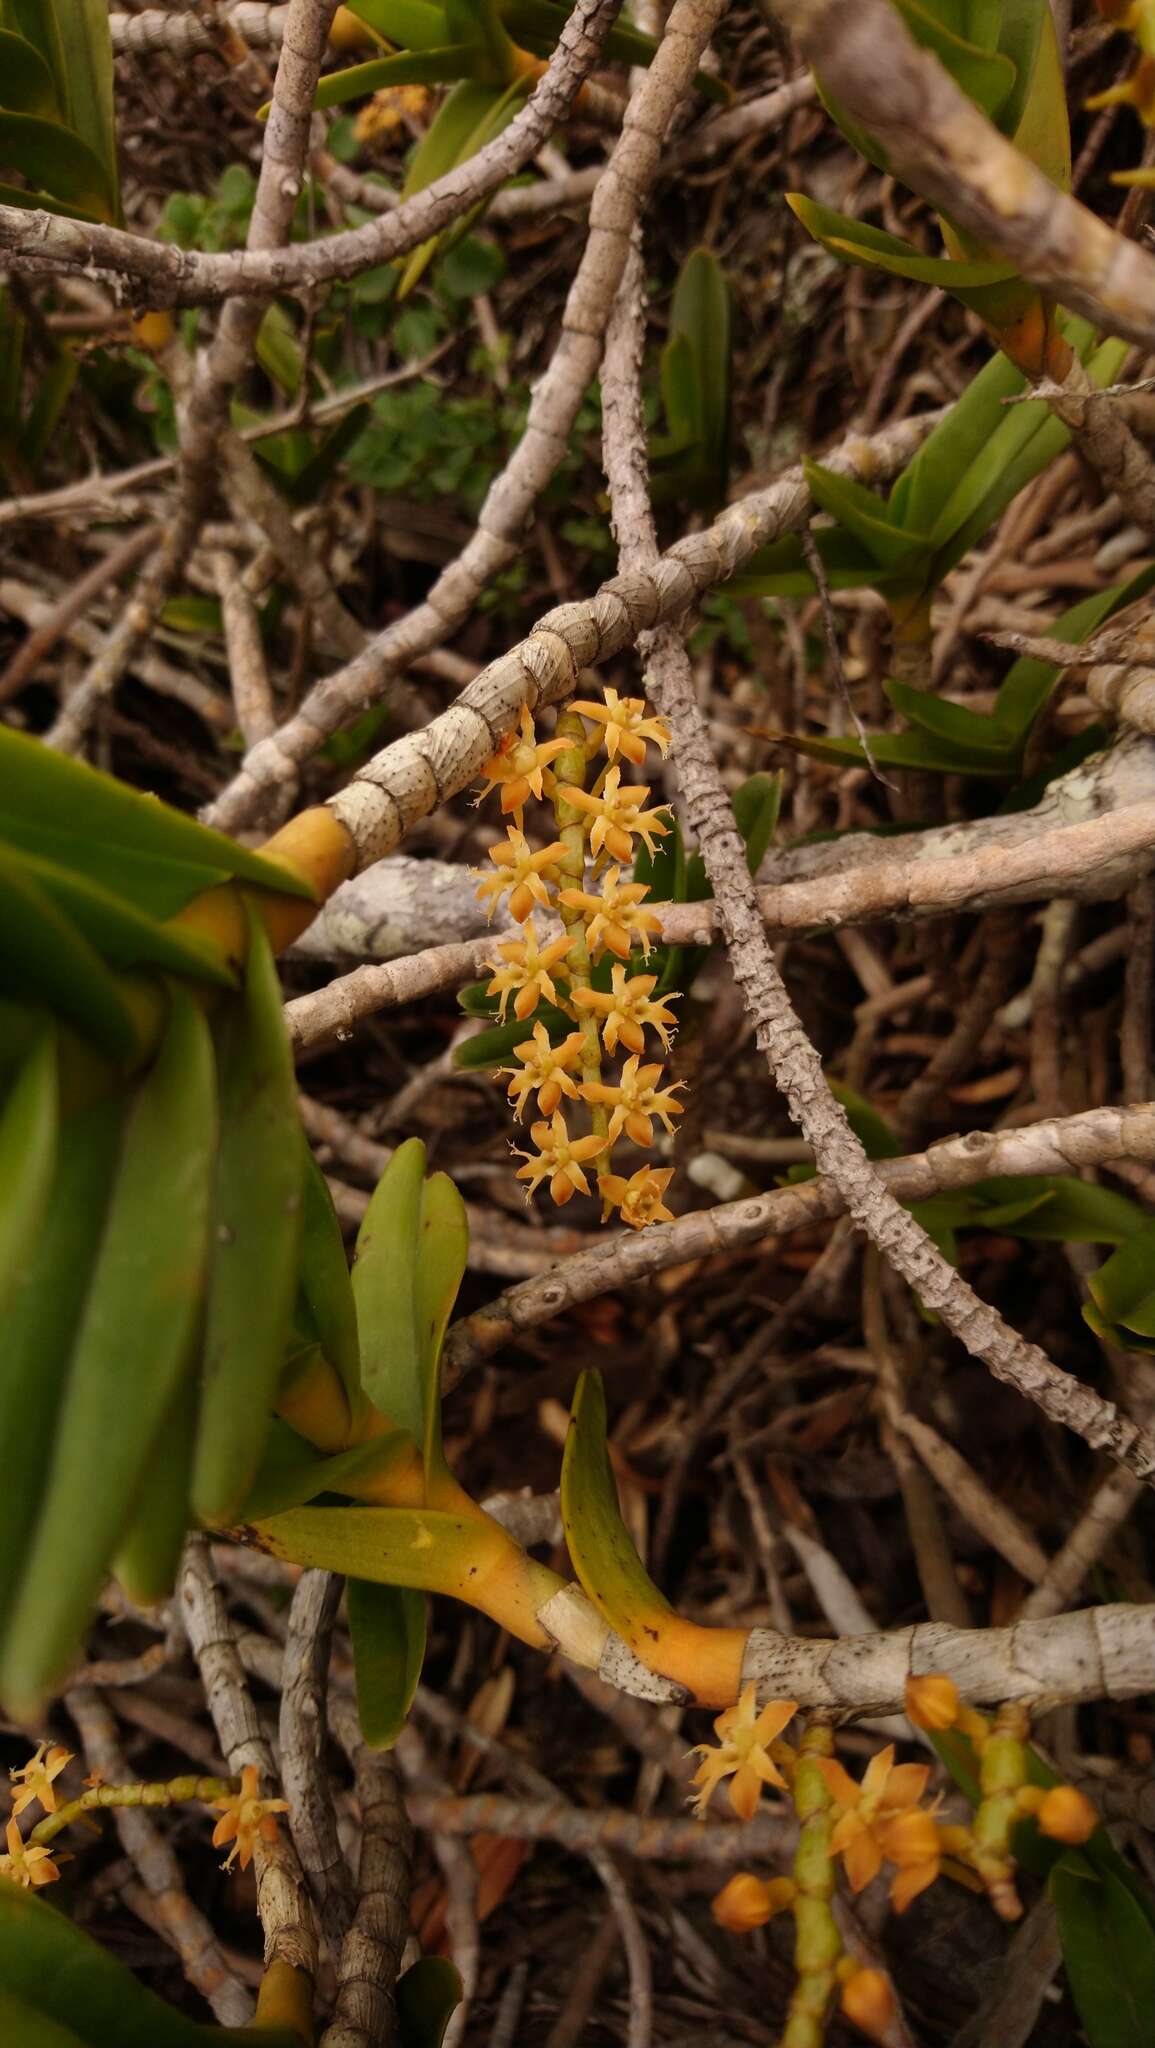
(30, 1863)
(580, 878)
(884, 1819)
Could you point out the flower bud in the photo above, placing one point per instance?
(1066, 1815)
(932, 1701)
(749, 1901)
(868, 2003)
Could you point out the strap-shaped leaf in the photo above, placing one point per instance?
(469, 1557)
(707, 1662)
(29, 1122)
(417, 24)
(470, 116)
(325, 1282)
(388, 1628)
(87, 80)
(410, 67)
(1028, 683)
(45, 959)
(383, 1287)
(855, 241)
(26, 83)
(257, 1205)
(41, 1318)
(69, 812)
(148, 1556)
(442, 1251)
(56, 160)
(428, 1994)
(865, 516)
(1123, 1290)
(926, 484)
(600, 1546)
(1108, 1952)
(1026, 442)
(953, 723)
(383, 1470)
(67, 1977)
(39, 25)
(537, 24)
(133, 1344)
(121, 934)
(32, 2029)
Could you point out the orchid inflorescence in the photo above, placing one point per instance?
(246, 1817)
(580, 878)
(884, 1819)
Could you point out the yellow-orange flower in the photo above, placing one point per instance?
(617, 814)
(544, 1069)
(33, 1780)
(627, 726)
(559, 1159)
(521, 871)
(30, 1866)
(639, 1199)
(246, 1819)
(868, 2002)
(614, 919)
(744, 1737)
(748, 1901)
(519, 765)
(525, 971)
(932, 1701)
(635, 1101)
(874, 1821)
(626, 1007)
(1066, 1815)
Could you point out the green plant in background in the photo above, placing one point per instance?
(492, 52)
(56, 115)
(968, 471)
(691, 460)
(28, 425)
(1004, 55)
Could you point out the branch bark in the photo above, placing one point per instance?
(939, 142)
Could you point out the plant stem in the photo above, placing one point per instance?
(817, 1942)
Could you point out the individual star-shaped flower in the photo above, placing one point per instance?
(34, 1780)
(544, 1069)
(881, 1819)
(559, 1159)
(627, 727)
(636, 1101)
(525, 971)
(626, 1007)
(639, 1199)
(246, 1819)
(519, 765)
(614, 919)
(744, 1737)
(29, 1865)
(617, 814)
(523, 872)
